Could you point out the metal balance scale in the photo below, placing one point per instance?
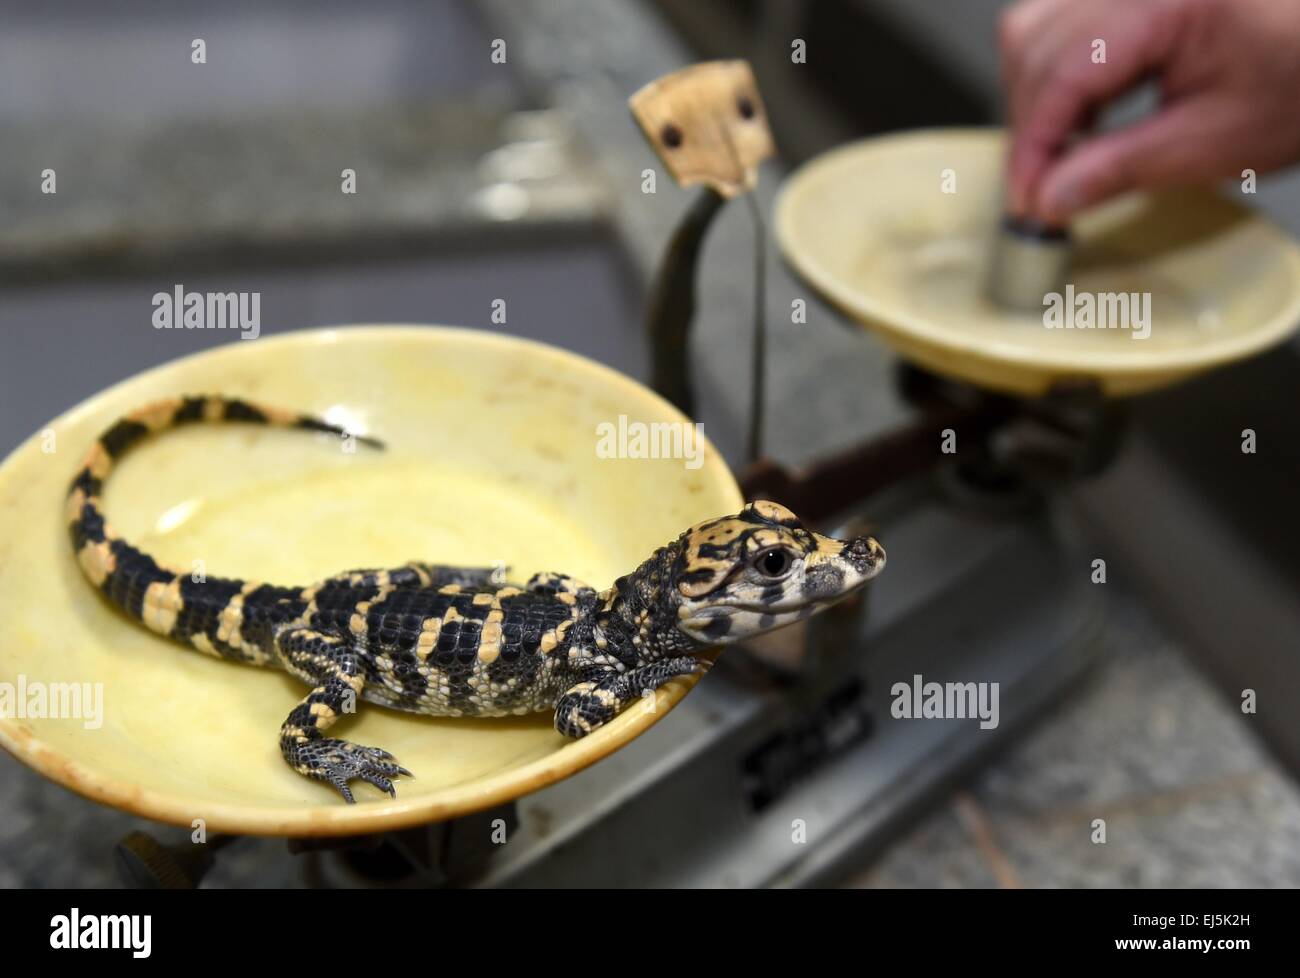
(790, 765)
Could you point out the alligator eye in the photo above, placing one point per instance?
(773, 563)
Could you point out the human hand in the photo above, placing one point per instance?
(1229, 77)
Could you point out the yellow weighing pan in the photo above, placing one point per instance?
(492, 456)
(897, 232)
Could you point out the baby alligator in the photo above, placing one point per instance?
(456, 641)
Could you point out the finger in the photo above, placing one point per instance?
(1186, 142)
(1057, 36)
(1060, 40)
(1018, 25)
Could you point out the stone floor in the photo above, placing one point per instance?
(1188, 795)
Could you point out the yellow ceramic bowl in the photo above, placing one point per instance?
(492, 457)
(871, 227)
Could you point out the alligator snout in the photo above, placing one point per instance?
(865, 554)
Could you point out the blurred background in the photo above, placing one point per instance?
(522, 181)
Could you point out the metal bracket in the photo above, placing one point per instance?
(706, 123)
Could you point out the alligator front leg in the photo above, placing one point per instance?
(337, 672)
(593, 703)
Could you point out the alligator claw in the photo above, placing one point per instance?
(339, 762)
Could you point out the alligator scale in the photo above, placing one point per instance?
(455, 641)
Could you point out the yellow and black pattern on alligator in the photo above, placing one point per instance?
(219, 616)
(455, 641)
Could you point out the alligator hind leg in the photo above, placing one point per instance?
(594, 703)
(338, 676)
(556, 585)
(417, 574)
(441, 575)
